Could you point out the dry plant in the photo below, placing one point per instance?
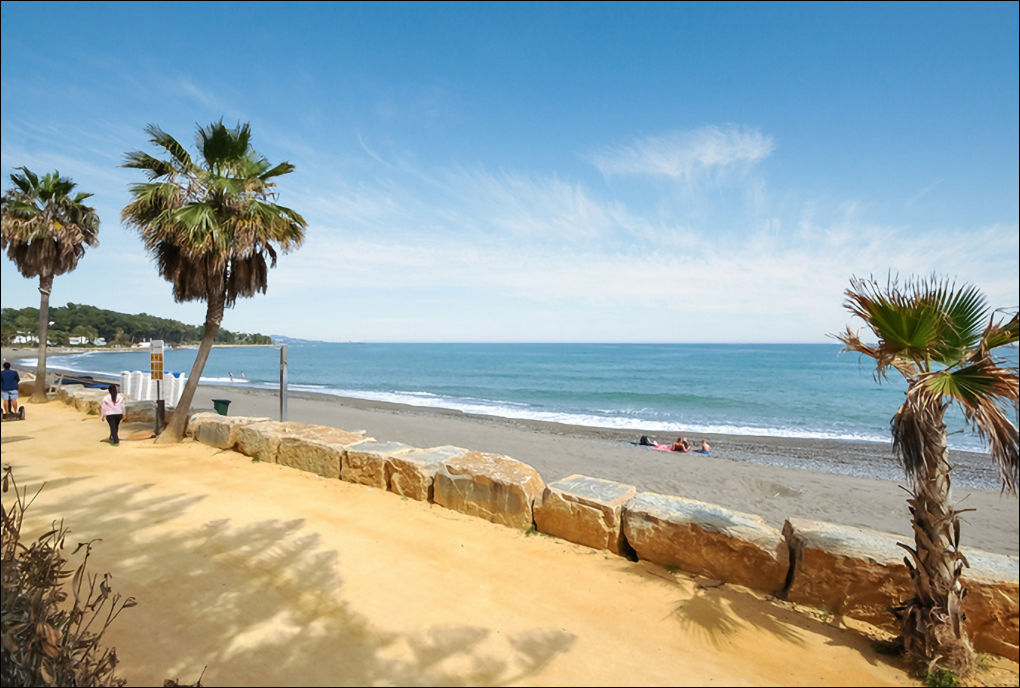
(47, 641)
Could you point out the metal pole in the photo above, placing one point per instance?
(283, 383)
(160, 408)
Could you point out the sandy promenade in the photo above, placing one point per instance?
(272, 576)
(776, 478)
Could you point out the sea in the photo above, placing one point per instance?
(778, 390)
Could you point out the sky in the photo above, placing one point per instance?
(545, 172)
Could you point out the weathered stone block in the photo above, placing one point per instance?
(366, 463)
(413, 474)
(585, 510)
(262, 440)
(706, 539)
(846, 570)
(490, 486)
(860, 573)
(66, 395)
(216, 430)
(992, 604)
(87, 400)
(317, 449)
(139, 411)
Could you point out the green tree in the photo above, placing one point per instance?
(45, 232)
(940, 337)
(214, 227)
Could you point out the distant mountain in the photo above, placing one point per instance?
(282, 339)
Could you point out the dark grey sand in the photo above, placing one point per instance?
(851, 483)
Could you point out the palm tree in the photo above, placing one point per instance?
(211, 226)
(940, 338)
(45, 232)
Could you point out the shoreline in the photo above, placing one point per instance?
(848, 482)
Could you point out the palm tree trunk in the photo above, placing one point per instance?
(174, 431)
(40, 386)
(932, 621)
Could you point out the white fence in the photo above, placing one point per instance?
(138, 385)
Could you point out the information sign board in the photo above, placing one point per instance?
(156, 358)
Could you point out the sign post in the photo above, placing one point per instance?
(156, 371)
(283, 383)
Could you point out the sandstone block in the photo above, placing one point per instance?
(262, 440)
(366, 463)
(413, 474)
(585, 510)
(66, 395)
(852, 571)
(317, 449)
(860, 573)
(490, 486)
(992, 604)
(706, 539)
(87, 400)
(139, 411)
(216, 430)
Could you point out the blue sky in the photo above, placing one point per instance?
(545, 172)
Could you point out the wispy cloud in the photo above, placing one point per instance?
(687, 156)
(923, 192)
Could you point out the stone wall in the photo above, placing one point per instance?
(849, 571)
(860, 573)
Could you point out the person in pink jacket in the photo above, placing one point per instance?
(111, 409)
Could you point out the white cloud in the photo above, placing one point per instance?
(711, 152)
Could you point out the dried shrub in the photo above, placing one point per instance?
(49, 639)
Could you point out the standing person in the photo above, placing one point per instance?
(9, 380)
(111, 409)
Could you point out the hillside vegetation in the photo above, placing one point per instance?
(117, 329)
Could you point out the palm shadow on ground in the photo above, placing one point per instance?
(291, 624)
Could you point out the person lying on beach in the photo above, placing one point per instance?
(681, 445)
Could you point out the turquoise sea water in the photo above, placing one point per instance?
(785, 390)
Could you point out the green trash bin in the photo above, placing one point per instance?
(221, 406)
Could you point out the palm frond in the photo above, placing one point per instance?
(213, 227)
(996, 336)
(170, 145)
(46, 226)
(154, 167)
(983, 389)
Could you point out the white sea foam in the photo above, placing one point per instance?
(522, 412)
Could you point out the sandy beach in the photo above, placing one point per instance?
(264, 575)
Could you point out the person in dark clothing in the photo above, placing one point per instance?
(9, 380)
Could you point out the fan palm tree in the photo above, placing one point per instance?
(213, 227)
(46, 227)
(940, 337)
